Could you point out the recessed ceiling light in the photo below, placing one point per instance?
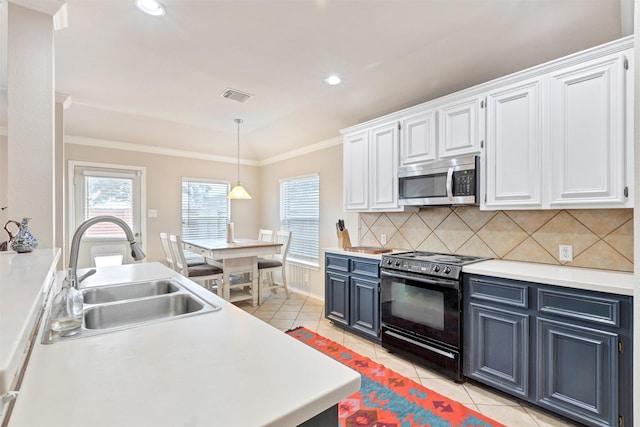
(332, 80)
(151, 7)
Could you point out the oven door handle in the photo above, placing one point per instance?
(444, 283)
(448, 354)
(450, 184)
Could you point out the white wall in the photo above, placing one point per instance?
(30, 121)
(327, 163)
(163, 192)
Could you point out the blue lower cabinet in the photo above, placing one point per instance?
(337, 297)
(500, 345)
(565, 350)
(578, 372)
(352, 294)
(365, 305)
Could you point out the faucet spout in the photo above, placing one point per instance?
(136, 251)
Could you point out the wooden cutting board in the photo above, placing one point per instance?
(367, 249)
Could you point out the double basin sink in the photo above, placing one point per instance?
(126, 305)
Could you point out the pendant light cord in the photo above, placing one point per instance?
(238, 121)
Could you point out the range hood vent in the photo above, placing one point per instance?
(236, 95)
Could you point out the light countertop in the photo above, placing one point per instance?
(224, 368)
(24, 279)
(615, 282)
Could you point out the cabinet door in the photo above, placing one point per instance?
(418, 141)
(514, 147)
(337, 297)
(578, 372)
(383, 172)
(498, 349)
(365, 305)
(587, 134)
(356, 171)
(460, 128)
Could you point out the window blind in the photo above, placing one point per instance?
(300, 214)
(205, 209)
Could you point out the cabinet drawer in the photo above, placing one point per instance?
(589, 308)
(365, 267)
(499, 291)
(337, 263)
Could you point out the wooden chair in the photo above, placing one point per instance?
(265, 235)
(209, 276)
(266, 266)
(192, 259)
(169, 258)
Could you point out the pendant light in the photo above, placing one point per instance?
(238, 192)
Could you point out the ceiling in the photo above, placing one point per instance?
(145, 80)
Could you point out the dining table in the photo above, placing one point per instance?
(237, 259)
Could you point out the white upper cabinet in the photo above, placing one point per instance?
(418, 138)
(587, 134)
(514, 147)
(371, 168)
(383, 154)
(555, 136)
(356, 171)
(460, 127)
(564, 139)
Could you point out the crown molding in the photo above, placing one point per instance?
(117, 145)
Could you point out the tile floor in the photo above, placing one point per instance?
(300, 310)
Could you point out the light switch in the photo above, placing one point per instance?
(152, 213)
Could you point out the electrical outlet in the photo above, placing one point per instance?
(383, 239)
(152, 213)
(566, 253)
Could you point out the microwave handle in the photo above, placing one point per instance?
(450, 184)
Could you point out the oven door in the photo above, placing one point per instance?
(421, 305)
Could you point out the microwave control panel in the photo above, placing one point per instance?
(464, 183)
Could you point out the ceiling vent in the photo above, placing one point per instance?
(236, 95)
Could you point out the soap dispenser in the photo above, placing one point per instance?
(66, 315)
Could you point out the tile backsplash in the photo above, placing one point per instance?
(601, 238)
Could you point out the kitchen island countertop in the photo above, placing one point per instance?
(223, 368)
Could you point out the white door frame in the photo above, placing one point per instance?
(71, 195)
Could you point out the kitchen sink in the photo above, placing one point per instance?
(121, 306)
(102, 294)
(139, 311)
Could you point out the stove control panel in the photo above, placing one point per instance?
(421, 267)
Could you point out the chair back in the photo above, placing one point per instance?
(175, 243)
(107, 255)
(283, 237)
(168, 253)
(265, 235)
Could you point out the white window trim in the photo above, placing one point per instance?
(210, 180)
(292, 259)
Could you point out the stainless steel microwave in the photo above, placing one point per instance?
(453, 181)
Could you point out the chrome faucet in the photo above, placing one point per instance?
(136, 251)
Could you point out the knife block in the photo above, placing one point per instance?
(343, 239)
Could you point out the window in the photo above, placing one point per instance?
(100, 189)
(205, 209)
(111, 196)
(300, 214)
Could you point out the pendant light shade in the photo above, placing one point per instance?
(238, 192)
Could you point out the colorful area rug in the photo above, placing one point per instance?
(386, 398)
